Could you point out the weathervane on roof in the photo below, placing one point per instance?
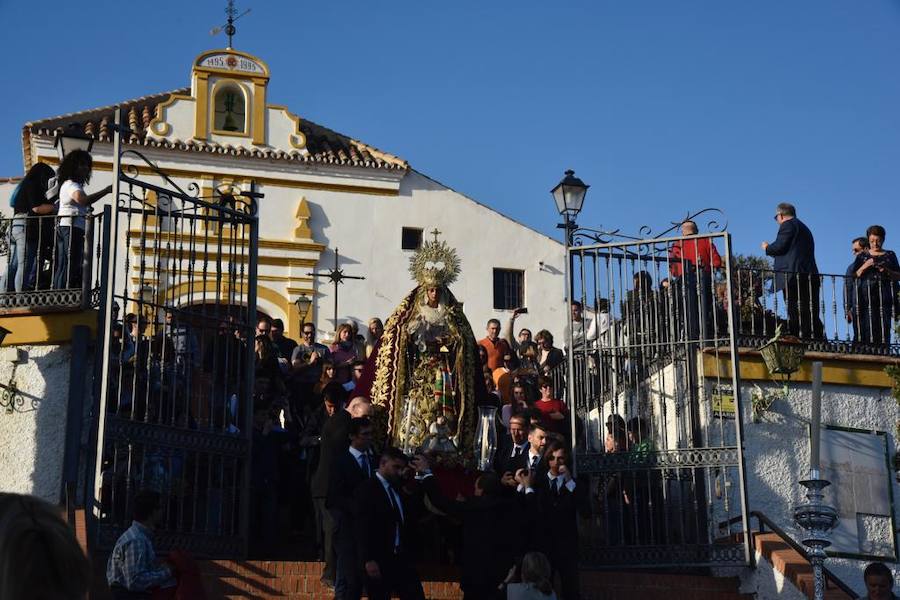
(228, 27)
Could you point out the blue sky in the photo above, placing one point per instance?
(662, 106)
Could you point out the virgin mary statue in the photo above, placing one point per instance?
(426, 364)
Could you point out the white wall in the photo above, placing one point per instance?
(777, 451)
(367, 230)
(32, 436)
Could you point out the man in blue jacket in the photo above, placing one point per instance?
(796, 272)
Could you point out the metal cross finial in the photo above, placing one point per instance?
(230, 12)
(229, 28)
(337, 277)
(435, 232)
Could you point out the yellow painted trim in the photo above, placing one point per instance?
(199, 241)
(300, 143)
(158, 124)
(248, 106)
(259, 113)
(202, 55)
(148, 280)
(51, 328)
(278, 261)
(301, 290)
(834, 371)
(201, 108)
(276, 181)
(302, 230)
(197, 288)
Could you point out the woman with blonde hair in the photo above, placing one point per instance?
(535, 580)
(39, 555)
(344, 352)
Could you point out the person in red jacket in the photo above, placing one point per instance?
(691, 263)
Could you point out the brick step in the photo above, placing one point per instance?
(238, 587)
(632, 593)
(660, 581)
(792, 565)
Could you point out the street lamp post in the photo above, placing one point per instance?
(815, 516)
(569, 197)
(303, 303)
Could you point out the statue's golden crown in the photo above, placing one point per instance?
(435, 264)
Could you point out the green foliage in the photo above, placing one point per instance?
(753, 278)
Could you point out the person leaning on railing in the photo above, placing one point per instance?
(29, 202)
(74, 205)
(879, 272)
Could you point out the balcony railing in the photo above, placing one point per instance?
(50, 263)
(832, 313)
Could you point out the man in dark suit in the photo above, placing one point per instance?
(512, 447)
(489, 527)
(851, 287)
(385, 520)
(796, 272)
(348, 471)
(335, 440)
(556, 502)
(532, 458)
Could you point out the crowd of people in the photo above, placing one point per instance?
(314, 452)
(682, 296)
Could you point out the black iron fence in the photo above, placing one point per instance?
(177, 376)
(50, 262)
(832, 313)
(657, 426)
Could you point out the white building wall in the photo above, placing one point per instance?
(32, 436)
(777, 451)
(368, 229)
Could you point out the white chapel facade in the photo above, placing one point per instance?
(322, 191)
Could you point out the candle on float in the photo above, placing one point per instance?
(815, 419)
(485, 451)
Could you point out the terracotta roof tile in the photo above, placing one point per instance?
(323, 145)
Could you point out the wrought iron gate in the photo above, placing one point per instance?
(657, 422)
(176, 382)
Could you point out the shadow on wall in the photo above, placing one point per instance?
(42, 421)
(317, 223)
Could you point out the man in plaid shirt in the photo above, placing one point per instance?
(133, 566)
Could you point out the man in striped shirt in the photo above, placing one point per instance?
(133, 570)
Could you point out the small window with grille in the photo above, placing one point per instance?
(509, 289)
(411, 238)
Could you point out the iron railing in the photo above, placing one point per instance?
(832, 313)
(830, 577)
(176, 382)
(49, 262)
(656, 430)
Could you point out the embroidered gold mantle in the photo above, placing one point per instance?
(404, 390)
